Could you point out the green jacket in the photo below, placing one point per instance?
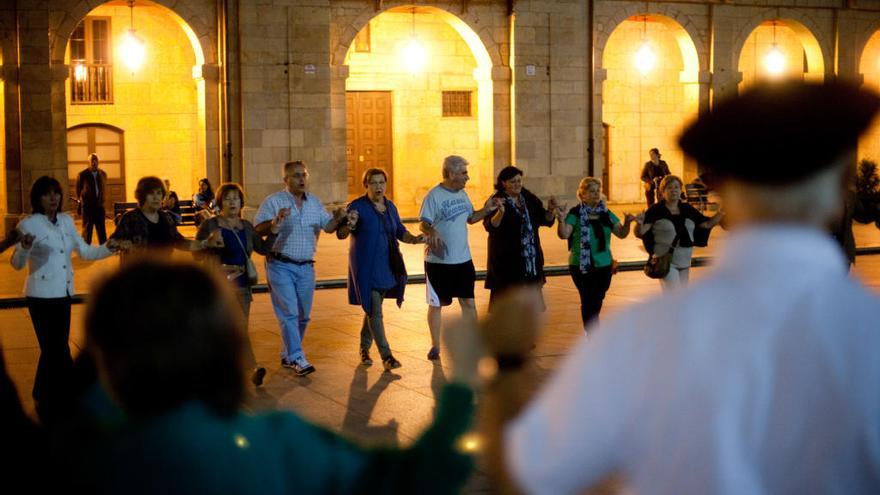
(193, 450)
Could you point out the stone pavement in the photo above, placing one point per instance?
(364, 403)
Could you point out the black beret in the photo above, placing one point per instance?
(780, 133)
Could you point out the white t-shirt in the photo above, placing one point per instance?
(448, 212)
(761, 378)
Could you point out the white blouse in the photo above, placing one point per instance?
(50, 272)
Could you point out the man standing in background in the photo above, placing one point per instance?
(91, 185)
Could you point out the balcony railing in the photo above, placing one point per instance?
(91, 84)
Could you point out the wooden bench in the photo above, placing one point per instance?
(187, 211)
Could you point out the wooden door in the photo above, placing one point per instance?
(368, 135)
(107, 142)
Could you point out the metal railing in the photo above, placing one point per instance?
(91, 83)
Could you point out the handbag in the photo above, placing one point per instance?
(658, 266)
(395, 258)
(250, 267)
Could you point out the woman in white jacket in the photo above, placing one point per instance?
(48, 239)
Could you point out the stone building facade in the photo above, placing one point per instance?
(233, 88)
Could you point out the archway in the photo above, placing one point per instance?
(645, 107)
(779, 49)
(869, 68)
(160, 106)
(444, 108)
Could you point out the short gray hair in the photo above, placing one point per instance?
(452, 163)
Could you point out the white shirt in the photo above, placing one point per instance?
(299, 232)
(447, 211)
(762, 378)
(50, 272)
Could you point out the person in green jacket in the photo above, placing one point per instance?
(167, 342)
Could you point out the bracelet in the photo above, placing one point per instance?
(510, 362)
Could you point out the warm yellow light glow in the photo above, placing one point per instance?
(470, 443)
(79, 72)
(645, 58)
(414, 55)
(774, 61)
(133, 50)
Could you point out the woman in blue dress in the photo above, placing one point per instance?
(375, 265)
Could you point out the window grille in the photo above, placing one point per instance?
(457, 103)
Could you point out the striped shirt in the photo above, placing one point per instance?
(299, 231)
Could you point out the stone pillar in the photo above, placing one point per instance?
(208, 81)
(12, 195)
(41, 92)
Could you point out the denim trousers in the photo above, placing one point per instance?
(293, 289)
(374, 328)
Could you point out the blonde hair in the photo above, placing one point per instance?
(585, 183)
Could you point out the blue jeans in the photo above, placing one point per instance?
(292, 288)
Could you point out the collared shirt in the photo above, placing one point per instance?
(50, 272)
(299, 232)
(763, 377)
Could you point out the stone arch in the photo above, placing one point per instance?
(818, 57)
(482, 152)
(650, 112)
(672, 17)
(868, 71)
(198, 30)
(863, 38)
(479, 39)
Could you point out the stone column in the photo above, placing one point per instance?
(41, 92)
(208, 80)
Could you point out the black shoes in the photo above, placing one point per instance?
(433, 354)
(366, 360)
(390, 363)
(258, 375)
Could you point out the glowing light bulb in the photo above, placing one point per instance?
(80, 73)
(414, 55)
(645, 58)
(774, 61)
(133, 50)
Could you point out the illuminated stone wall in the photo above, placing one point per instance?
(157, 106)
(869, 67)
(644, 110)
(421, 136)
(752, 60)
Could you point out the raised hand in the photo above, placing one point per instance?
(353, 217)
(279, 219)
(339, 214)
(27, 241)
(552, 204)
(215, 240)
(512, 327)
(629, 218)
(115, 244)
(494, 203)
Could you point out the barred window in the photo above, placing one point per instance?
(91, 62)
(457, 103)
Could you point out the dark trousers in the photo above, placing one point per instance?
(93, 216)
(650, 197)
(592, 287)
(373, 327)
(51, 319)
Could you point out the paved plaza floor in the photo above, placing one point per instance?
(367, 404)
